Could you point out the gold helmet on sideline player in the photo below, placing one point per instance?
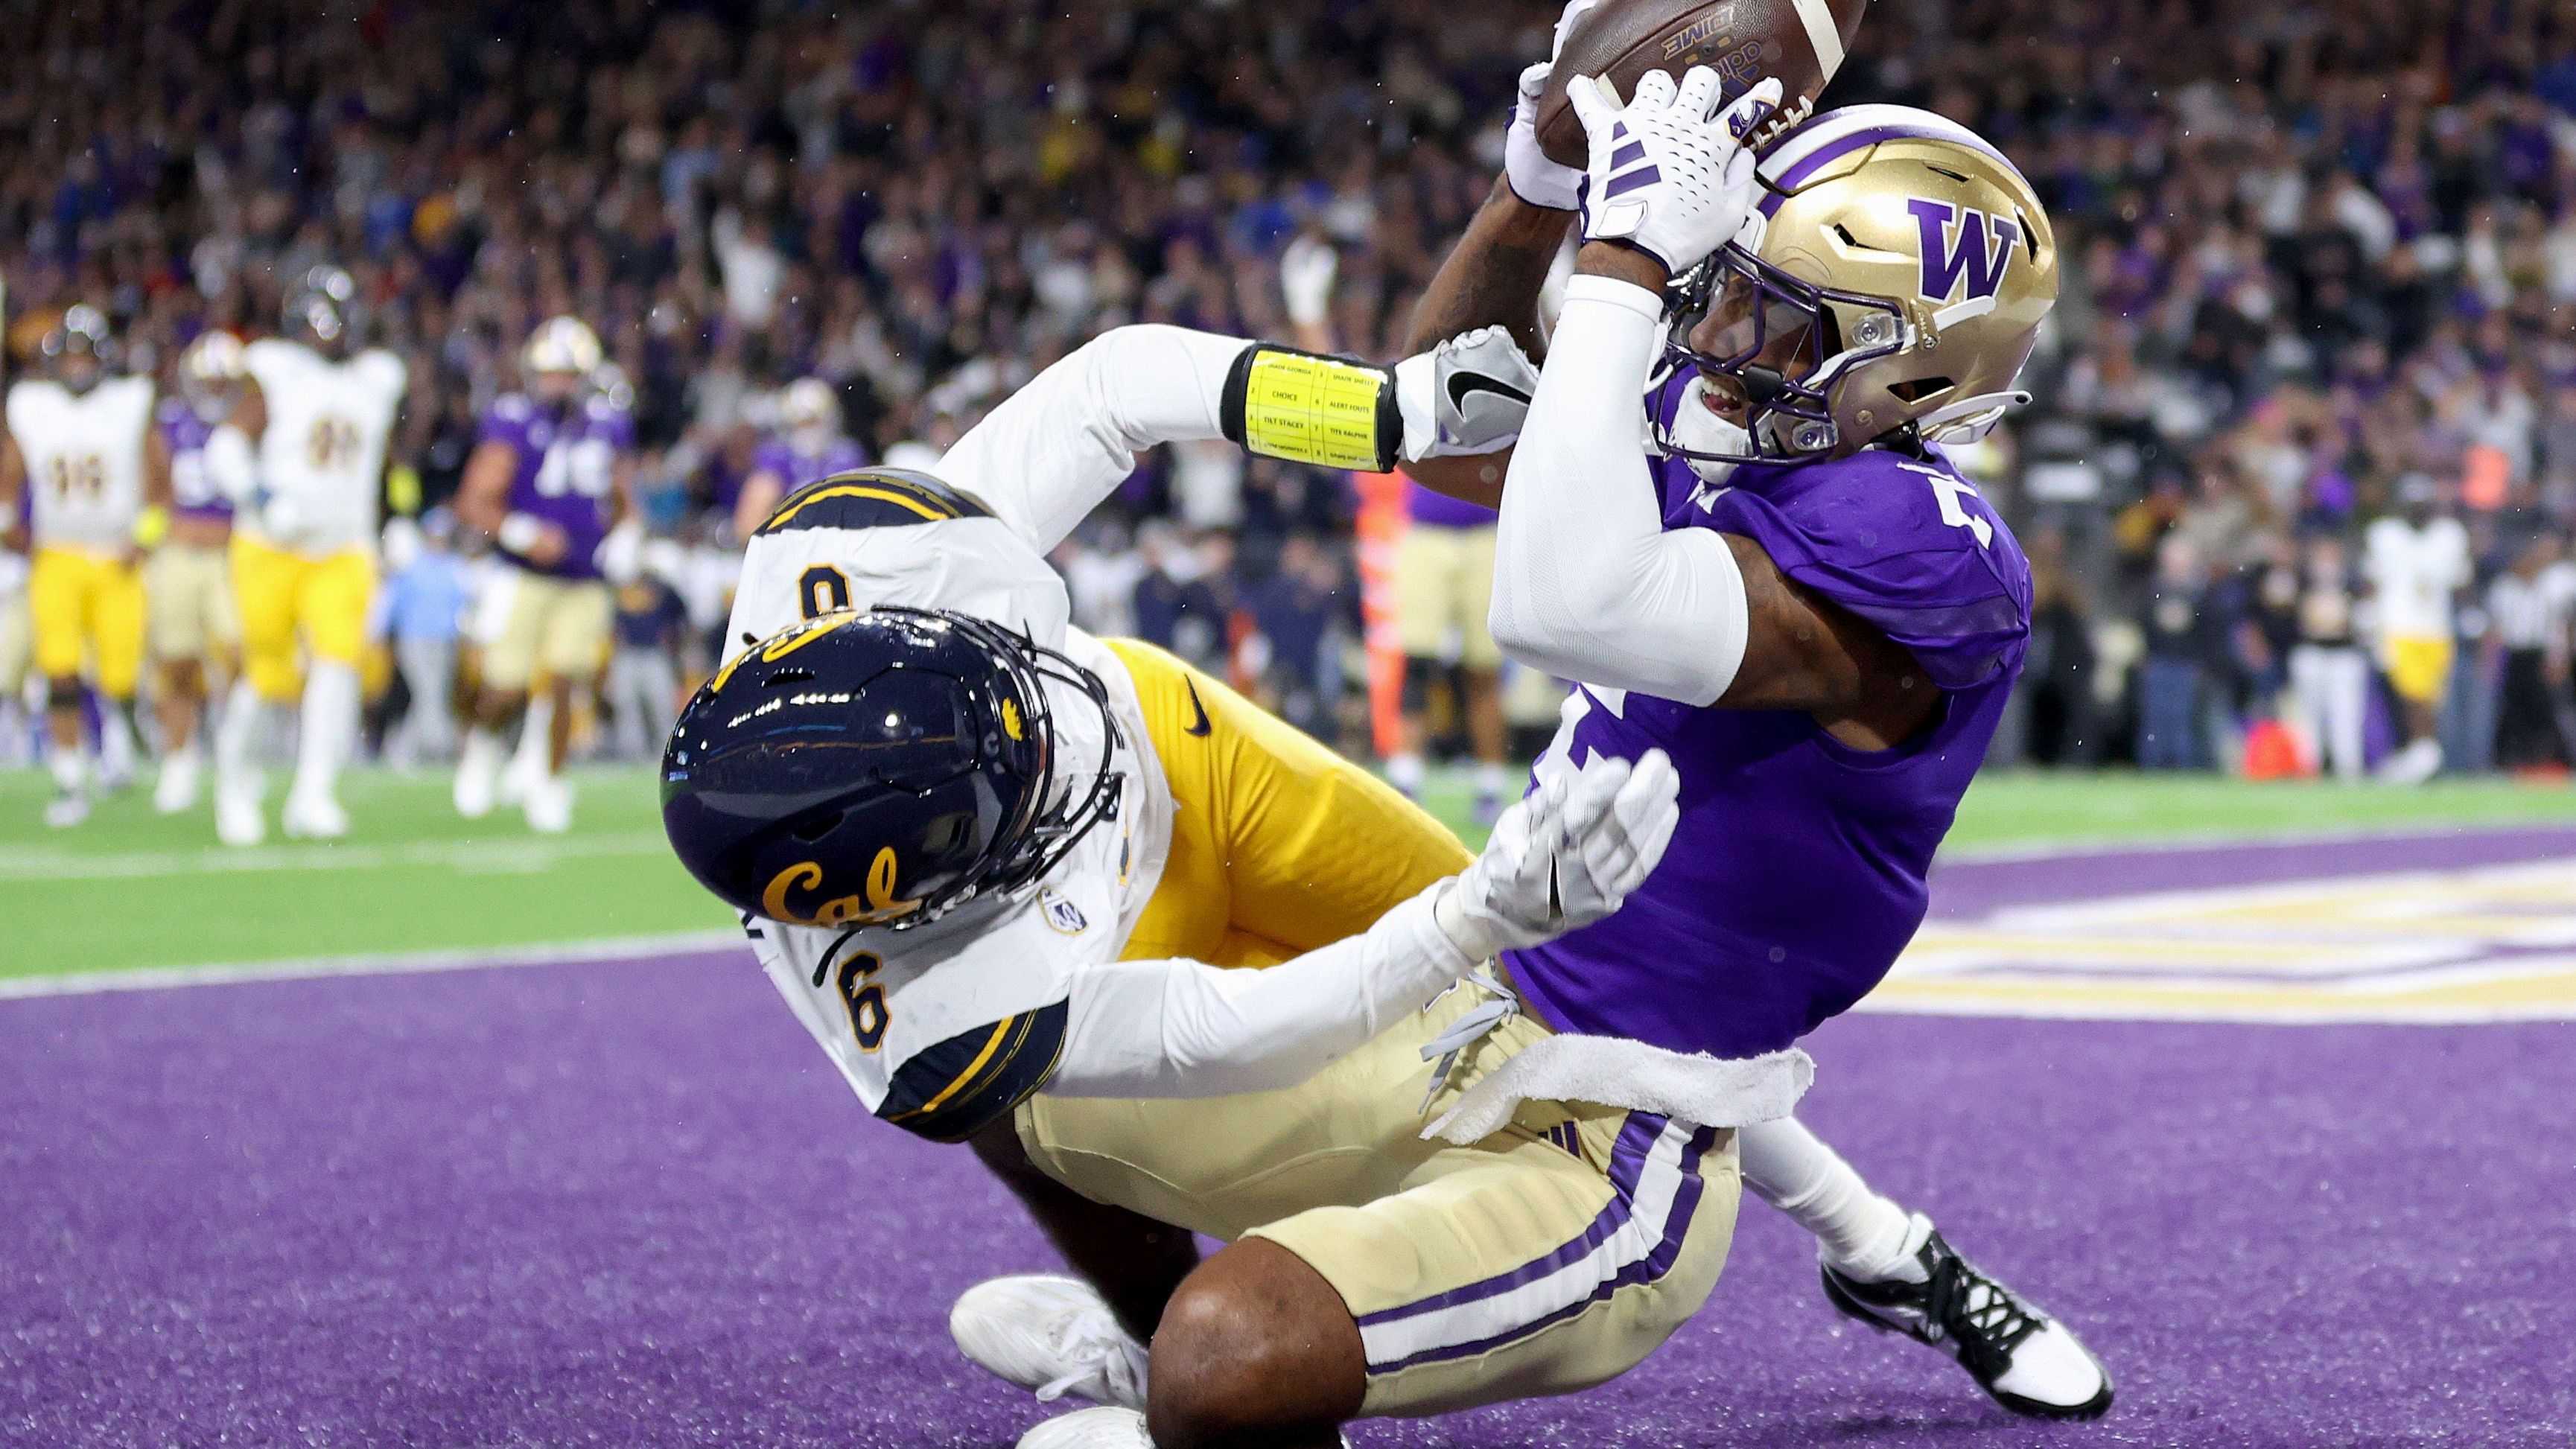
(211, 372)
(561, 357)
(1891, 280)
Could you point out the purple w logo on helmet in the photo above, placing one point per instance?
(1962, 243)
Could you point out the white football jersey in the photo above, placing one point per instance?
(323, 455)
(84, 455)
(939, 1027)
(2417, 572)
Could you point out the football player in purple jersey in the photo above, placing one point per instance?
(194, 630)
(1791, 588)
(1729, 516)
(807, 446)
(552, 481)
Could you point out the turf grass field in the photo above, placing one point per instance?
(133, 889)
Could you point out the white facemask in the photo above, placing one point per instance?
(1696, 428)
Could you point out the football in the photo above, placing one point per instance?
(1800, 41)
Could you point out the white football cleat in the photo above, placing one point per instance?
(175, 793)
(477, 767)
(66, 810)
(549, 806)
(1103, 1428)
(313, 817)
(1054, 1335)
(2413, 765)
(238, 821)
(521, 777)
(2027, 1361)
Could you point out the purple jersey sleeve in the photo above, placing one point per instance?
(1908, 545)
(778, 457)
(1434, 509)
(507, 421)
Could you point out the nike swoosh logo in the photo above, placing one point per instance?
(1198, 724)
(1463, 383)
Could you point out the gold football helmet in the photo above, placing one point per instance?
(1891, 279)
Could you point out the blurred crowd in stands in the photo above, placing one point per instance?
(2307, 407)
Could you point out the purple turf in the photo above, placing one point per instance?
(627, 1203)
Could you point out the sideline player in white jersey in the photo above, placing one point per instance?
(997, 866)
(16, 635)
(83, 442)
(320, 414)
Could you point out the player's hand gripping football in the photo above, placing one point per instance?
(1667, 177)
(1565, 856)
(1534, 178)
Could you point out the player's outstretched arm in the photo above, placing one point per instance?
(1564, 857)
(1054, 449)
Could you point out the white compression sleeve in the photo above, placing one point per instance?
(1186, 1029)
(1588, 585)
(1054, 449)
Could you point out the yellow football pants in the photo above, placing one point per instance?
(87, 605)
(285, 596)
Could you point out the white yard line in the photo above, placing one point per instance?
(157, 978)
(40, 863)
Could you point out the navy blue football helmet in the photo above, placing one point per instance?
(881, 768)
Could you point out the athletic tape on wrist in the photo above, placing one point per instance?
(1309, 408)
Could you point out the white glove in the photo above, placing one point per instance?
(1532, 177)
(620, 555)
(1564, 856)
(1565, 21)
(1665, 177)
(1306, 271)
(1466, 396)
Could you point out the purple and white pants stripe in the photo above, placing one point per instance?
(1655, 1190)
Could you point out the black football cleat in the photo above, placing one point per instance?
(2025, 1360)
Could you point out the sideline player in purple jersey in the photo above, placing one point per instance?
(808, 445)
(1792, 590)
(552, 481)
(192, 627)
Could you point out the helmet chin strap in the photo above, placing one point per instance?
(1968, 419)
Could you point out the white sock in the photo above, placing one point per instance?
(330, 727)
(1493, 780)
(1789, 1167)
(70, 767)
(238, 731)
(1405, 772)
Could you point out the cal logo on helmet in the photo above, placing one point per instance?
(801, 880)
